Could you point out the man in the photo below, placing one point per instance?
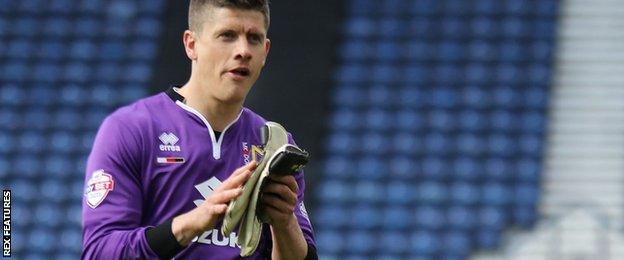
(163, 170)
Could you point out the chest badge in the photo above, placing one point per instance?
(169, 141)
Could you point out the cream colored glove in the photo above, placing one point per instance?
(242, 211)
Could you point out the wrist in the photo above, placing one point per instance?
(183, 228)
(287, 225)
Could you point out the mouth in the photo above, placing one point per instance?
(240, 72)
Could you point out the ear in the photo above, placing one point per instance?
(189, 40)
(267, 47)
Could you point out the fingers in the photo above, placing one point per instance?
(219, 209)
(287, 180)
(282, 191)
(273, 201)
(225, 196)
(239, 176)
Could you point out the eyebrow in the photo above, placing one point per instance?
(250, 32)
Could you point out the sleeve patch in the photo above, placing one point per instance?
(98, 187)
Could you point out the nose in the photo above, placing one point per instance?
(243, 52)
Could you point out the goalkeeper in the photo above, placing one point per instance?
(162, 170)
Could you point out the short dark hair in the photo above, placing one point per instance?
(197, 7)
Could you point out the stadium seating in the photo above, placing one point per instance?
(435, 138)
(64, 65)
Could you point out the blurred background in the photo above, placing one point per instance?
(439, 129)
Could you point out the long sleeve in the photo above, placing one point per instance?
(300, 210)
(112, 207)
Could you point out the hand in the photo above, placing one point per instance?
(188, 225)
(279, 199)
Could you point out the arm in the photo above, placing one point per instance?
(291, 231)
(112, 207)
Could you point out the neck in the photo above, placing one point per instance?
(219, 114)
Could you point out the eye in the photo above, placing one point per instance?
(254, 38)
(227, 35)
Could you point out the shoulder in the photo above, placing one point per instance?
(257, 121)
(137, 114)
(252, 117)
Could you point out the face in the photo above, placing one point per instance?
(229, 53)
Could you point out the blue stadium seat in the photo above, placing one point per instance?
(481, 50)
(331, 216)
(371, 167)
(400, 193)
(339, 167)
(395, 242)
(432, 193)
(62, 142)
(409, 120)
(488, 239)
(498, 169)
(365, 217)
(143, 50)
(341, 143)
(26, 166)
(435, 167)
(492, 217)
(395, 217)
(403, 168)
(456, 244)
(71, 239)
(57, 27)
(73, 215)
(39, 94)
(52, 50)
(330, 240)
(336, 191)
(47, 215)
(86, 26)
(528, 170)
(373, 144)
(525, 216)
(361, 242)
(56, 190)
(429, 217)
(67, 119)
(461, 218)
(406, 143)
(389, 26)
(495, 193)
(388, 51)
(349, 96)
(147, 27)
(369, 191)
(441, 120)
(355, 50)
(16, 70)
(464, 193)
(453, 28)
(378, 119)
(467, 169)
(61, 6)
(502, 145)
(138, 72)
(26, 26)
(425, 242)
(41, 240)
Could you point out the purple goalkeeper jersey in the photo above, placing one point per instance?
(156, 159)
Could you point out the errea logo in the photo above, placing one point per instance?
(169, 140)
